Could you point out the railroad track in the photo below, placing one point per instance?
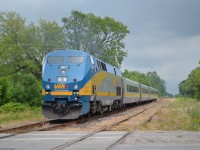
(24, 128)
(65, 145)
(52, 124)
(38, 126)
(131, 132)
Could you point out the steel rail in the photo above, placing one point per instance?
(120, 140)
(100, 130)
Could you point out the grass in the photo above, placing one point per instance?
(181, 114)
(10, 119)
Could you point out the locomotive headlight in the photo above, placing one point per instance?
(64, 79)
(59, 79)
(75, 86)
(48, 86)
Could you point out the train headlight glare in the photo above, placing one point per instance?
(75, 86)
(59, 79)
(64, 79)
(48, 86)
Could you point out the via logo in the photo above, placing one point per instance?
(59, 86)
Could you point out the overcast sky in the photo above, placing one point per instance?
(164, 34)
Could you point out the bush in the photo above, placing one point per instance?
(4, 85)
(20, 88)
(25, 89)
(0, 91)
(13, 107)
(197, 94)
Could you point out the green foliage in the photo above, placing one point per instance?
(191, 86)
(24, 46)
(21, 89)
(4, 85)
(136, 76)
(101, 37)
(25, 89)
(181, 114)
(40, 40)
(151, 79)
(12, 35)
(192, 109)
(13, 114)
(195, 117)
(156, 82)
(13, 107)
(0, 91)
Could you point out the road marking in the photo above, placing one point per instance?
(56, 134)
(27, 139)
(111, 137)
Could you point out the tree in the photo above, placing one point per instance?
(101, 37)
(186, 88)
(196, 77)
(150, 79)
(191, 86)
(136, 76)
(22, 47)
(40, 40)
(12, 36)
(156, 82)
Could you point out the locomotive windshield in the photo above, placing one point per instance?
(55, 60)
(75, 59)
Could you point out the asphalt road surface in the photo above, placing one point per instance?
(178, 140)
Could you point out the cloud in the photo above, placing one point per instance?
(164, 35)
(173, 59)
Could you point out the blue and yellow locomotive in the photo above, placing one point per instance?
(75, 83)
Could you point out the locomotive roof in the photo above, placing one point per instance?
(71, 51)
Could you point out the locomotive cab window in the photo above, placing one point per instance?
(101, 65)
(91, 60)
(75, 59)
(55, 60)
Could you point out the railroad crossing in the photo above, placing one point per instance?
(54, 140)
